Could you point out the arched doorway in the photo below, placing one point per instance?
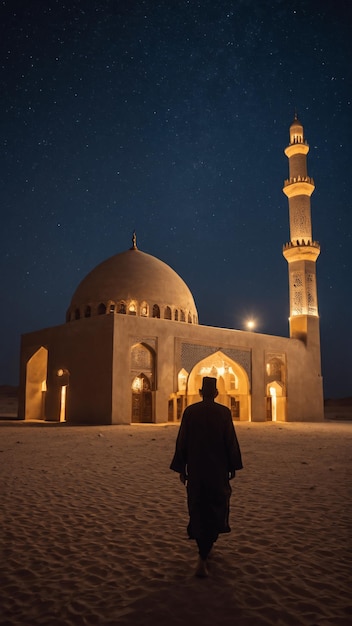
(36, 377)
(276, 402)
(142, 383)
(275, 372)
(142, 400)
(232, 383)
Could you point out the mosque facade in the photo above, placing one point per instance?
(132, 349)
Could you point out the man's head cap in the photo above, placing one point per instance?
(209, 386)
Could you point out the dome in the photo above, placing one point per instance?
(133, 283)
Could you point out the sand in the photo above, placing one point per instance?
(94, 529)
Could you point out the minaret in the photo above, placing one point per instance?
(301, 252)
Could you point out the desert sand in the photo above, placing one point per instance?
(94, 529)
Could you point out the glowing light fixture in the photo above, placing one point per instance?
(250, 324)
(137, 384)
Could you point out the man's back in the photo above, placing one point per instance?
(207, 443)
(207, 455)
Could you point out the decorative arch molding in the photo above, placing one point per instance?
(193, 353)
(233, 384)
(131, 307)
(143, 360)
(148, 341)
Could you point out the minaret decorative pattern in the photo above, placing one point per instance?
(301, 252)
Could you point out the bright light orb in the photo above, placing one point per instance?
(250, 324)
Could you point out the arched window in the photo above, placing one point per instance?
(132, 309)
(176, 315)
(77, 314)
(144, 309)
(101, 309)
(121, 308)
(167, 313)
(112, 308)
(189, 318)
(87, 311)
(182, 316)
(156, 311)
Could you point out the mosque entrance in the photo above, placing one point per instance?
(232, 384)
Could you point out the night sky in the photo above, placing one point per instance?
(170, 117)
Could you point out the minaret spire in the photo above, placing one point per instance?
(134, 241)
(301, 252)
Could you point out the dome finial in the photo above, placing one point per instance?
(134, 241)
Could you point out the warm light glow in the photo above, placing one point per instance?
(63, 404)
(272, 391)
(137, 384)
(250, 324)
(182, 380)
(60, 372)
(216, 371)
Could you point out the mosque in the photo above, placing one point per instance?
(132, 350)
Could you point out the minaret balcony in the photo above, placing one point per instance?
(298, 186)
(296, 148)
(301, 250)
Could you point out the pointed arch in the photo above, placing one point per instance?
(167, 313)
(156, 310)
(132, 308)
(232, 383)
(144, 309)
(142, 382)
(276, 401)
(182, 377)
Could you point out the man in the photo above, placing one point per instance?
(207, 456)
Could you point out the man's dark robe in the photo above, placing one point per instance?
(207, 452)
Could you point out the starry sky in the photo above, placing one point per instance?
(170, 117)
